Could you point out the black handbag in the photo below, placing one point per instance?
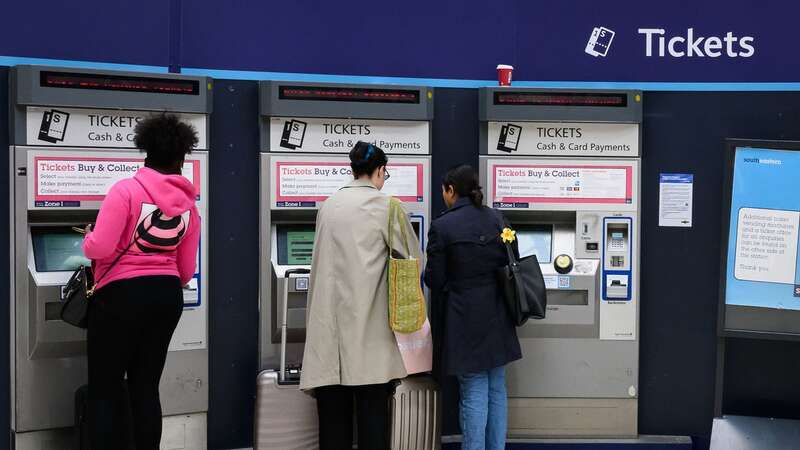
(523, 287)
(80, 288)
(77, 292)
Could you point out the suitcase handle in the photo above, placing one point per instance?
(285, 313)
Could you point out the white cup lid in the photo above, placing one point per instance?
(504, 66)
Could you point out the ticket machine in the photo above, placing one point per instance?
(307, 131)
(72, 134)
(564, 168)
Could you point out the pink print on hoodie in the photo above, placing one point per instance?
(156, 212)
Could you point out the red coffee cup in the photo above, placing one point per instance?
(504, 74)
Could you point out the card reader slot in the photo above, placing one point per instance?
(563, 297)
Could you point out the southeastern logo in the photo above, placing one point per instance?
(771, 162)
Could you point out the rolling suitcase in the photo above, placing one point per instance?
(416, 414)
(285, 417)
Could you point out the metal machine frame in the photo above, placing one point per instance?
(311, 104)
(572, 381)
(48, 366)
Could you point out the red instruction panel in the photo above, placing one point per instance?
(65, 178)
(545, 183)
(308, 181)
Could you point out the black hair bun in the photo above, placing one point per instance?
(365, 158)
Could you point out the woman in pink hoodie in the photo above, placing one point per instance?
(139, 299)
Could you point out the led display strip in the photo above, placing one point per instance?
(519, 98)
(103, 82)
(349, 94)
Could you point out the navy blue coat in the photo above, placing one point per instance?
(472, 330)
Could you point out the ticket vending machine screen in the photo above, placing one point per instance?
(57, 249)
(295, 244)
(535, 240)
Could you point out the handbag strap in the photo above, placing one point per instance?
(133, 241)
(116, 260)
(498, 217)
(394, 213)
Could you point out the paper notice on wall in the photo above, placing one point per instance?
(766, 245)
(94, 127)
(551, 183)
(675, 200)
(316, 181)
(88, 179)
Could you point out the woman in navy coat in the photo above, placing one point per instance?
(474, 337)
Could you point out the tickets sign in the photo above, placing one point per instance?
(563, 139)
(545, 183)
(72, 127)
(301, 181)
(310, 135)
(59, 178)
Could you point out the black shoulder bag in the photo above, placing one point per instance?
(523, 285)
(77, 291)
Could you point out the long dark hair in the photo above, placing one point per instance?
(464, 181)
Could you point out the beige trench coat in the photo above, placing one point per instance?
(348, 339)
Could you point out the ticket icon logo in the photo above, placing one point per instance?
(54, 126)
(599, 41)
(294, 132)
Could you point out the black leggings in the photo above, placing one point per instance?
(130, 326)
(335, 407)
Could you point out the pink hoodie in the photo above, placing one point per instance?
(156, 211)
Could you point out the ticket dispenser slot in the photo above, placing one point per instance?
(54, 251)
(617, 259)
(571, 286)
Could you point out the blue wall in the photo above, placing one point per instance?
(455, 39)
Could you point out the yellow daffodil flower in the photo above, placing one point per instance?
(508, 235)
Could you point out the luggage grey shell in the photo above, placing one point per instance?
(285, 417)
(416, 414)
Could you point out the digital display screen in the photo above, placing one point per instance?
(295, 244)
(535, 240)
(347, 94)
(762, 279)
(560, 99)
(103, 82)
(57, 249)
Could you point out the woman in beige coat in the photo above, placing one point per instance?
(351, 354)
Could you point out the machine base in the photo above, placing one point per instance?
(640, 443)
(572, 417)
(181, 432)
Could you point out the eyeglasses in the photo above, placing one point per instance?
(385, 174)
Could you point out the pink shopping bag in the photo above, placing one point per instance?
(417, 349)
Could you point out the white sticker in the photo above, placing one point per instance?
(563, 139)
(94, 127)
(312, 135)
